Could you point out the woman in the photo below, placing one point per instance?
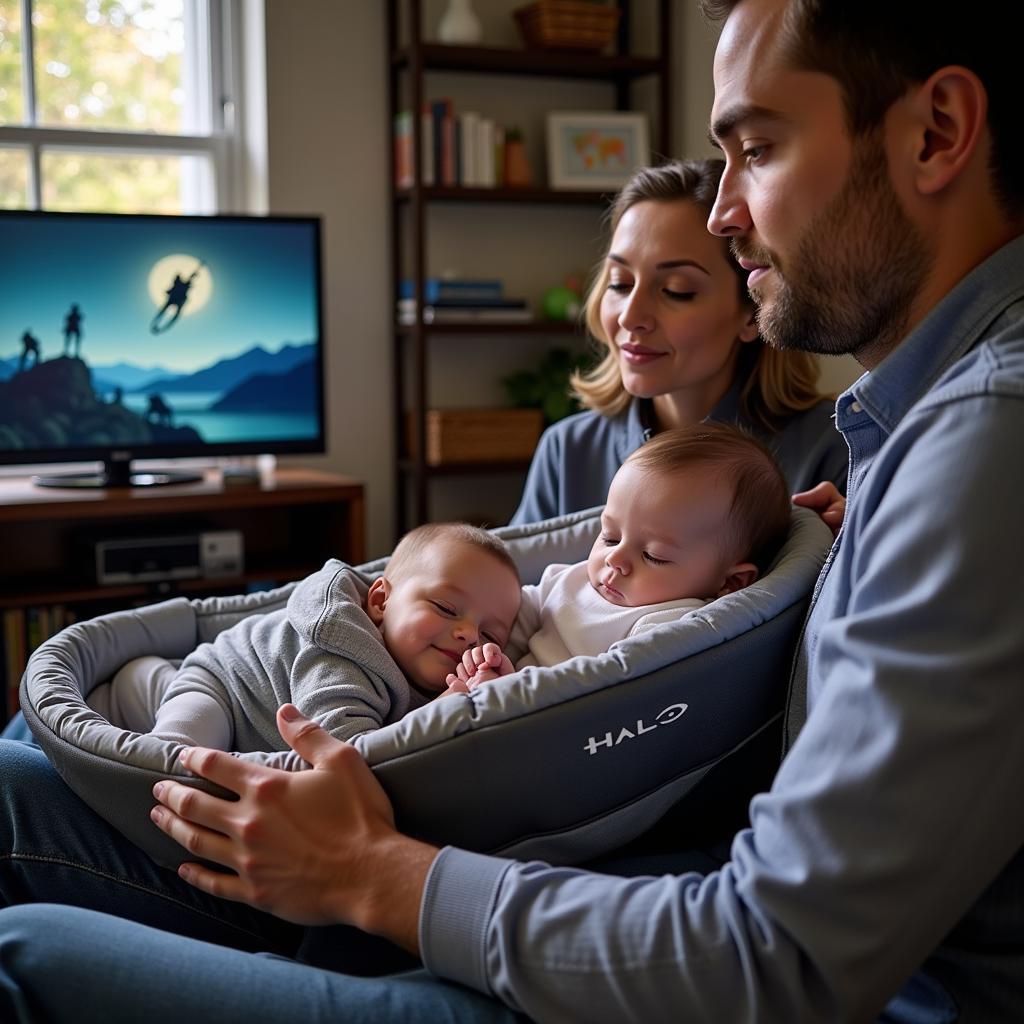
(670, 307)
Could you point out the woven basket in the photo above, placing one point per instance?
(567, 25)
(481, 435)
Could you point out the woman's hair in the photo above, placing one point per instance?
(411, 547)
(759, 513)
(780, 384)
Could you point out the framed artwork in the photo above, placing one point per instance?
(595, 150)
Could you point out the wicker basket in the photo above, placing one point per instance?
(481, 435)
(567, 25)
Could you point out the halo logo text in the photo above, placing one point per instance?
(664, 717)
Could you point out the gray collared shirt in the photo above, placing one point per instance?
(890, 845)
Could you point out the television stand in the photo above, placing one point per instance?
(117, 474)
(291, 521)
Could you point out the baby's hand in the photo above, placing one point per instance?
(481, 664)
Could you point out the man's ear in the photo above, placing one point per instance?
(377, 599)
(951, 113)
(737, 577)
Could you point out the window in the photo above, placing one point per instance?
(117, 105)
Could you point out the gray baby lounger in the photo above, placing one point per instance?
(562, 763)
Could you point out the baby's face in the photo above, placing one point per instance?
(458, 596)
(662, 537)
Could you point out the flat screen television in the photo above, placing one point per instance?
(128, 336)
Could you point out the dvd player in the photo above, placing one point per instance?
(204, 554)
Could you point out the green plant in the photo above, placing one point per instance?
(546, 386)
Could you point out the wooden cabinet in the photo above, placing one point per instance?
(291, 522)
(415, 64)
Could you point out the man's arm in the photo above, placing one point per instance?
(896, 809)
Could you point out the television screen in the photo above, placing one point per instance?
(137, 336)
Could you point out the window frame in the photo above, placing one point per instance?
(215, 73)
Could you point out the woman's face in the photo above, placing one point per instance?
(671, 308)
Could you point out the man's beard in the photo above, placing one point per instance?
(856, 271)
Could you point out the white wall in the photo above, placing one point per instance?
(328, 132)
(328, 137)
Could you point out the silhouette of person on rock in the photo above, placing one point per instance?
(29, 347)
(73, 331)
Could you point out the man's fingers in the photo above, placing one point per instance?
(216, 883)
(196, 839)
(216, 766)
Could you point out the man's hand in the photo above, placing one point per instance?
(826, 500)
(479, 664)
(313, 847)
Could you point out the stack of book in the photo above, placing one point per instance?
(460, 300)
(465, 150)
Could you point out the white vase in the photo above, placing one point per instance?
(459, 23)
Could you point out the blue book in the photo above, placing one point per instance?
(439, 289)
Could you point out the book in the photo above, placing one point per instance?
(469, 149)
(467, 314)
(405, 305)
(437, 289)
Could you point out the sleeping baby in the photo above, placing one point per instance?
(692, 515)
(352, 655)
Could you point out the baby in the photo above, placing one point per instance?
(694, 514)
(351, 655)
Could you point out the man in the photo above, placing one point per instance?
(873, 189)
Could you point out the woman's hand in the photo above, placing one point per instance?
(826, 500)
(313, 847)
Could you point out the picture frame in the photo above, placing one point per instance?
(595, 150)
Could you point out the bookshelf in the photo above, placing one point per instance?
(291, 521)
(415, 63)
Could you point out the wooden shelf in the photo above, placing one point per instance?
(419, 211)
(408, 466)
(291, 523)
(537, 63)
(542, 327)
(535, 196)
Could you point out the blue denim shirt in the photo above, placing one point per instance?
(890, 845)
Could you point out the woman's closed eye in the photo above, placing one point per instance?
(679, 296)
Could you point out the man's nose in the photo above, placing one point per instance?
(730, 214)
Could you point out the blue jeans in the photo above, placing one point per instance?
(55, 850)
(63, 964)
(17, 729)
